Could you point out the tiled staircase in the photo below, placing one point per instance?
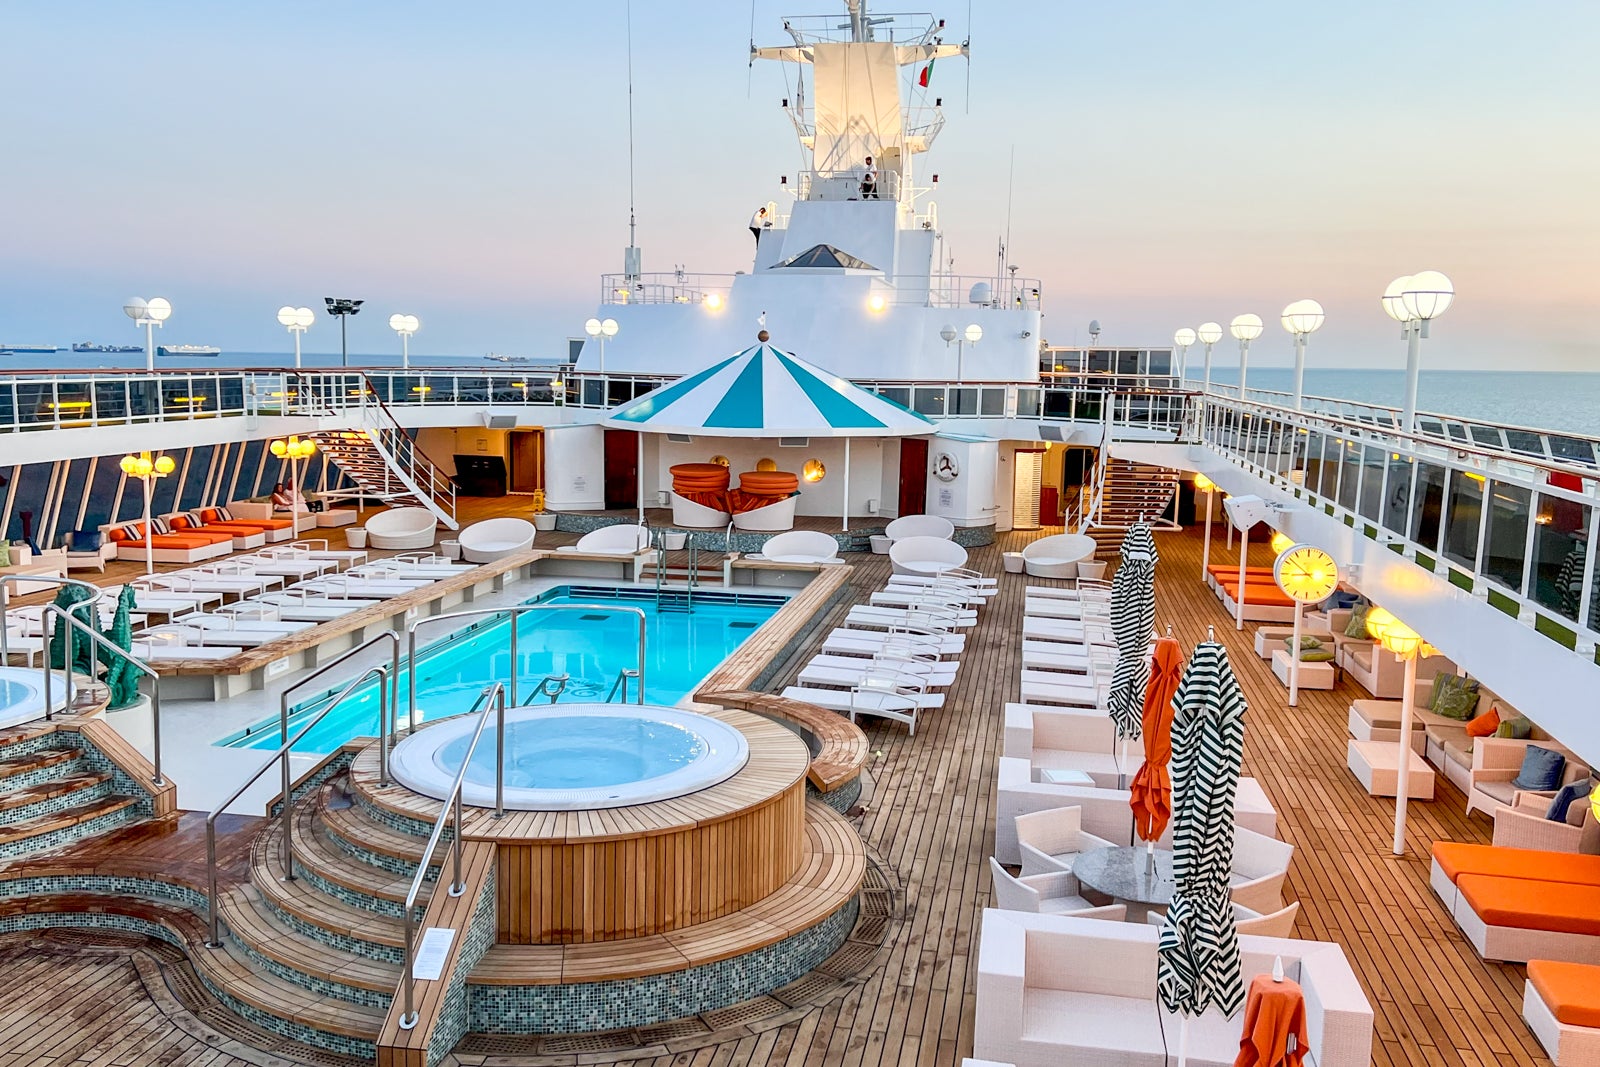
(318, 958)
(54, 790)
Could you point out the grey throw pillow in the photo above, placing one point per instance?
(1565, 797)
(1541, 770)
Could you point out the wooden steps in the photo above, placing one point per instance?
(326, 918)
(48, 795)
(316, 852)
(260, 931)
(37, 761)
(228, 971)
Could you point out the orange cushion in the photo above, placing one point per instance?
(1226, 570)
(248, 526)
(1484, 725)
(1456, 858)
(1570, 990)
(1527, 904)
(1255, 593)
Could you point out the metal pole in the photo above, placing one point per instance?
(408, 1020)
(344, 348)
(1294, 662)
(1402, 776)
(150, 345)
(383, 731)
(844, 524)
(288, 819)
(1299, 369)
(405, 350)
(155, 727)
(296, 349)
(1205, 547)
(457, 886)
(639, 479)
(1206, 387)
(1244, 365)
(514, 619)
(1244, 556)
(149, 535)
(642, 632)
(1408, 413)
(499, 762)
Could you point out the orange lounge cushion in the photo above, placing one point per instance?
(1570, 990)
(1484, 725)
(178, 542)
(1225, 571)
(1457, 858)
(1527, 904)
(1255, 593)
(247, 526)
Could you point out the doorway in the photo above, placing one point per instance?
(527, 461)
(913, 476)
(622, 469)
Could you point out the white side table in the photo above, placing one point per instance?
(451, 549)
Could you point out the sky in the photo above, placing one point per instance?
(468, 163)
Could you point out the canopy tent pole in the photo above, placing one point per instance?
(1205, 550)
(1244, 557)
(639, 478)
(844, 509)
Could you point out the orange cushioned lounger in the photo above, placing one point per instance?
(1456, 858)
(209, 517)
(1570, 990)
(1269, 595)
(1526, 904)
(1224, 571)
(231, 527)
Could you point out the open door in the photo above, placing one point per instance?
(622, 469)
(527, 461)
(913, 476)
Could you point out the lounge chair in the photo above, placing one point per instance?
(933, 594)
(1047, 894)
(298, 607)
(86, 549)
(927, 614)
(1048, 656)
(402, 528)
(492, 539)
(920, 526)
(623, 539)
(1057, 556)
(1260, 864)
(164, 601)
(188, 636)
(889, 696)
(926, 555)
(149, 649)
(1053, 608)
(1048, 687)
(826, 670)
(371, 588)
(414, 565)
(199, 580)
(296, 567)
(245, 532)
(868, 642)
(1085, 589)
(799, 546)
(982, 584)
(187, 547)
(1053, 838)
(318, 549)
(1068, 630)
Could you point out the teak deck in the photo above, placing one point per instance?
(930, 821)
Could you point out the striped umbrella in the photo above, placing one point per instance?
(1198, 963)
(1133, 616)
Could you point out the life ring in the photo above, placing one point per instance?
(945, 467)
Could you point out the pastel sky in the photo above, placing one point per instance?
(467, 163)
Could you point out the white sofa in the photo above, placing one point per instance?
(778, 515)
(402, 528)
(799, 546)
(1057, 556)
(920, 526)
(1061, 989)
(492, 539)
(925, 555)
(1036, 728)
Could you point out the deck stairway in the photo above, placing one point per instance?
(382, 459)
(1131, 491)
(54, 790)
(318, 958)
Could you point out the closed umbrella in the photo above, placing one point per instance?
(1133, 616)
(121, 678)
(1152, 785)
(1198, 958)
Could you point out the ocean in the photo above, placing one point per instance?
(1553, 400)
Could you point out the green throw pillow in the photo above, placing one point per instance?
(5, 553)
(1455, 696)
(1520, 728)
(1315, 655)
(1357, 626)
(1306, 642)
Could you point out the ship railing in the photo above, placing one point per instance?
(1515, 530)
(940, 290)
(57, 400)
(848, 183)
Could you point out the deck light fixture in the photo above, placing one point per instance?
(970, 336)
(344, 309)
(712, 302)
(876, 303)
(1205, 485)
(1302, 319)
(1182, 340)
(405, 326)
(149, 314)
(601, 330)
(1209, 333)
(294, 450)
(297, 321)
(1406, 645)
(1245, 328)
(1413, 301)
(147, 470)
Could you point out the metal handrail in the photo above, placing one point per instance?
(8, 580)
(393, 696)
(544, 688)
(493, 698)
(515, 612)
(622, 683)
(144, 668)
(282, 756)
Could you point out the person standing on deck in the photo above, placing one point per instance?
(869, 181)
(758, 222)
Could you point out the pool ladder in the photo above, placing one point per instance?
(671, 599)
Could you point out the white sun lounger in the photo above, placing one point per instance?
(867, 642)
(1046, 687)
(317, 548)
(196, 581)
(1065, 609)
(159, 650)
(1084, 590)
(30, 648)
(916, 598)
(892, 702)
(164, 601)
(868, 615)
(988, 585)
(235, 621)
(376, 572)
(847, 671)
(296, 566)
(922, 581)
(372, 588)
(1066, 630)
(292, 608)
(208, 637)
(1070, 662)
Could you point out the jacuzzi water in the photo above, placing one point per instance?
(22, 695)
(578, 756)
(590, 647)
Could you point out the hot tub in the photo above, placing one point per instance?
(562, 757)
(22, 694)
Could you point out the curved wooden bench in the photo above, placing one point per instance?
(842, 751)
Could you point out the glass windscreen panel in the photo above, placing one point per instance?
(1560, 553)
(1505, 544)
(1463, 513)
(1427, 515)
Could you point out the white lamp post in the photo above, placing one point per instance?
(1182, 340)
(149, 314)
(1301, 318)
(1413, 301)
(405, 326)
(145, 469)
(297, 320)
(1246, 328)
(601, 330)
(1209, 333)
(970, 336)
(294, 450)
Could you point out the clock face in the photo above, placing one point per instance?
(1306, 573)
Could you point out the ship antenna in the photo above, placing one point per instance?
(1011, 188)
(749, 69)
(631, 258)
(967, 44)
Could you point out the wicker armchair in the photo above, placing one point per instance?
(1524, 826)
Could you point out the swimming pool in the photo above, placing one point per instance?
(590, 647)
(577, 756)
(22, 694)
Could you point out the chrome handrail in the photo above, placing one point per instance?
(144, 668)
(514, 612)
(8, 580)
(622, 683)
(282, 756)
(392, 698)
(493, 698)
(544, 688)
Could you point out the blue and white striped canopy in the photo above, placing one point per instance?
(763, 392)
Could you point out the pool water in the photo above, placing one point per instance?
(681, 649)
(576, 752)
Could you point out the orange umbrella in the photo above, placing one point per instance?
(1152, 786)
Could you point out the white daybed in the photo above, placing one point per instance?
(402, 528)
(623, 539)
(920, 526)
(799, 546)
(926, 555)
(1057, 556)
(492, 539)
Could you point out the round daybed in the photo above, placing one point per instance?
(492, 539)
(402, 528)
(925, 555)
(699, 495)
(765, 500)
(623, 539)
(920, 526)
(1057, 556)
(800, 546)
